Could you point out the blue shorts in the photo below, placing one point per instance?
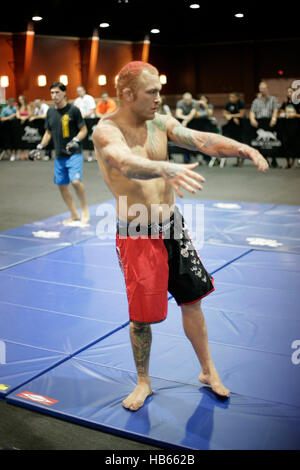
(68, 169)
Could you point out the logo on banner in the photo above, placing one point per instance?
(296, 94)
(37, 398)
(31, 135)
(296, 354)
(266, 139)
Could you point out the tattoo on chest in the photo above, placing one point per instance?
(154, 140)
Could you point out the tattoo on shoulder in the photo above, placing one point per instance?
(160, 122)
(184, 136)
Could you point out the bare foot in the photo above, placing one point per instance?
(71, 219)
(85, 216)
(214, 381)
(136, 399)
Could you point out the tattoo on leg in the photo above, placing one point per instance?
(141, 336)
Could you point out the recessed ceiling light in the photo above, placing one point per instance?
(195, 6)
(155, 31)
(104, 25)
(239, 15)
(36, 18)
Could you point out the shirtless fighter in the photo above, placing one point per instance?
(131, 149)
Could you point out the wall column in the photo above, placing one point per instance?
(23, 44)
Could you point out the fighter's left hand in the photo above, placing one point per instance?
(245, 151)
(73, 146)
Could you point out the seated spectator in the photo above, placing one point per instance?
(85, 103)
(185, 110)
(233, 112)
(39, 110)
(23, 113)
(164, 108)
(9, 111)
(23, 109)
(234, 108)
(203, 108)
(106, 105)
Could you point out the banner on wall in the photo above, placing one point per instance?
(279, 141)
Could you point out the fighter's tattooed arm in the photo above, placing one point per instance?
(212, 144)
(112, 147)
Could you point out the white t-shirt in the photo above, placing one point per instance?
(85, 104)
(42, 110)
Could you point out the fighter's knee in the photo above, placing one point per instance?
(191, 307)
(76, 183)
(139, 326)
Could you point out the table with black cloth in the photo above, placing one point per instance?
(282, 140)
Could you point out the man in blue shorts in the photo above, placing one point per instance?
(64, 123)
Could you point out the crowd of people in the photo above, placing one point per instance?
(187, 108)
(37, 109)
(264, 106)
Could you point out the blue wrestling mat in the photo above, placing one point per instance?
(64, 332)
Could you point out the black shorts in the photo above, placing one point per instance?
(157, 259)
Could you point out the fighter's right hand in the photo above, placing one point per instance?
(35, 154)
(182, 176)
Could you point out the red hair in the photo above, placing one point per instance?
(129, 74)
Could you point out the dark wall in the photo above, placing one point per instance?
(221, 68)
(204, 68)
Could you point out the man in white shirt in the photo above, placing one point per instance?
(39, 110)
(85, 103)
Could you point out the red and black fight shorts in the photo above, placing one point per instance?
(157, 259)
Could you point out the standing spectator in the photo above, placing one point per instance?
(39, 110)
(186, 111)
(87, 106)
(105, 106)
(290, 110)
(234, 112)
(8, 113)
(65, 124)
(264, 106)
(85, 103)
